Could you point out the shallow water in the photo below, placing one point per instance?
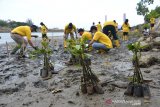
(5, 37)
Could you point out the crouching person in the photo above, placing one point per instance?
(18, 34)
(86, 37)
(100, 41)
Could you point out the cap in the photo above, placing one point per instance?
(80, 30)
(34, 28)
(93, 28)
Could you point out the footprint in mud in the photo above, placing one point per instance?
(3, 56)
(27, 104)
(40, 84)
(11, 90)
(20, 75)
(10, 78)
(8, 91)
(21, 86)
(3, 105)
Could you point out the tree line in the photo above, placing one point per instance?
(13, 24)
(142, 9)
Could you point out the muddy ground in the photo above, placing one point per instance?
(22, 86)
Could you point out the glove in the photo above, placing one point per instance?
(35, 47)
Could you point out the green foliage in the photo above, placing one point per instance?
(13, 24)
(135, 48)
(45, 50)
(154, 13)
(77, 47)
(147, 1)
(146, 25)
(142, 8)
(3, 23)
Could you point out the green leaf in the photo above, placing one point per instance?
(78, 47)
(130, 47)
(88, 55)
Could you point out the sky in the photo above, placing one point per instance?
(82, 13)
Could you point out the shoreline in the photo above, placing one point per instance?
(8, 30)
(38, 39)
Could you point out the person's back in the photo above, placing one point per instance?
(109, 23)
(23, 31)
(109, 29)
(18, 34)
(43, 29)
(102, 38)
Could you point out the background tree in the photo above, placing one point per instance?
(154, 13)
(3, 23)
(29, 22)
(142, 7)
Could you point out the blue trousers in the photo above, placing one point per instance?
(99, 46)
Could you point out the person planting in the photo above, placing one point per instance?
(18, 34)
(100, 41)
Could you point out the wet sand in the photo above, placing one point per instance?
(22, 86)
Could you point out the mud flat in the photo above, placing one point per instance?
(22, 86)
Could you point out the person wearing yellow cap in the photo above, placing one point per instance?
(99, 27)
(69, 29)
(44, 30)
(109, 29)
(126, 28)
(18, 34)
(152, 22)
(100, 41)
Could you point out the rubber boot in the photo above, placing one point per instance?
(65, 43)
(15, 50)
(116, 42)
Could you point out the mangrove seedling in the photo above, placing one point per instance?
(45, 72)
(137, 87)
(89, 81)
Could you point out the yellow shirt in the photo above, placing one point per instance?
(102, 38)
(43, 29)
(99, 27)
(109, 23)
(152, 20)
(86, 36)
(67, 30)
(125, 27)
(23, 31)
